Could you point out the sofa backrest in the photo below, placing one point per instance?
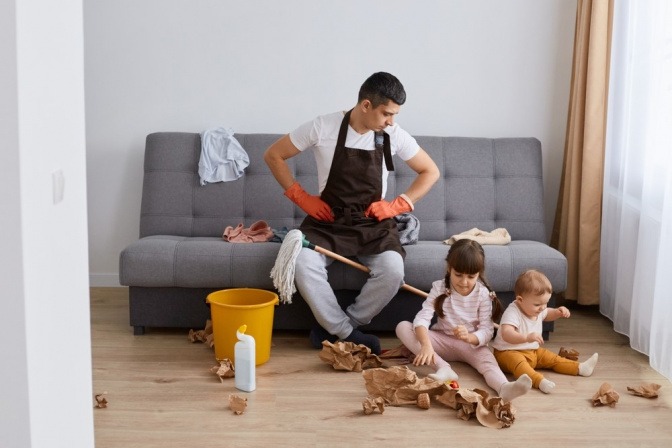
(484, 183)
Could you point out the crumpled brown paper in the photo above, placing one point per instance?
(224, 369)
(462, 400)
(606, 395)
(569, 353)
(495, 413)
(204, 335)
(101, 401)
(399, 385)
(400, 355)
(348, 356)
(649, 390)
(237, 404)
(492, 412)
(370, 404)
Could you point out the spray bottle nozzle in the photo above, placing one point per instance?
(242, 336)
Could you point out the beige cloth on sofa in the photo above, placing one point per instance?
(498, 236)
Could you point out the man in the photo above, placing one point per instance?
(353, 151)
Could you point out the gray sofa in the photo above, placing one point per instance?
(180, 256)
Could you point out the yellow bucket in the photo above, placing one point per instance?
(231, 308)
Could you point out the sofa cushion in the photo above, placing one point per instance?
(206, 262)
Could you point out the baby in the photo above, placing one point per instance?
(517, 343)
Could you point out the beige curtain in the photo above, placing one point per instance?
(576, 231)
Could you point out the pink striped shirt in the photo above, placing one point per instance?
(473, 311)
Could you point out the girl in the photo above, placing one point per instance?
(465, 306)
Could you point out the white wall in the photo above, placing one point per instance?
(45, 376)
(470, 68)
(14, 408)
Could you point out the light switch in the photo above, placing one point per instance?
(58, 181)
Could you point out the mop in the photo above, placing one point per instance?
(283, 270)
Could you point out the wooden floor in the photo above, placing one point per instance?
(161, 392)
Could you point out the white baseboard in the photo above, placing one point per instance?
(103, 280)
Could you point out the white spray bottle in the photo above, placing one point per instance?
(245, 361)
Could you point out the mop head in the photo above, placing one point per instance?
(283, 270)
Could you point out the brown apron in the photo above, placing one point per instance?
(354, 182)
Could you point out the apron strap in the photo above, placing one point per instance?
(343, 131)
(382, 140)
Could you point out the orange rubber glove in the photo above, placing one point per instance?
(310, 204)
(383, 209)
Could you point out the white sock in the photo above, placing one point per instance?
(444, 374)
(514, 389)
(546, 386)
(586, 367)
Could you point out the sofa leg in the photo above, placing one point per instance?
(139, 330)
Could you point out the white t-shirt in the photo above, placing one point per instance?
(514, 317)
(321, 135)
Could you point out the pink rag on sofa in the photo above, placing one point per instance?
(256, 233)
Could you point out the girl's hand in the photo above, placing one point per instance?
(461, 333)
(534, 337)
(425, 357)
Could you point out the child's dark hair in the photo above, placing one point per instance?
(466, 256)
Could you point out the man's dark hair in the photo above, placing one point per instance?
(380, 88)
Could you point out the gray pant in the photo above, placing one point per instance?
(385, 279)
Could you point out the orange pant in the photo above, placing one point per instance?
(519, 362)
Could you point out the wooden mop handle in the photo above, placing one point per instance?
(361, 267)
(417, 291)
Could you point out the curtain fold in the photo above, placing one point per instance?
(636, 260)
(576, 230)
